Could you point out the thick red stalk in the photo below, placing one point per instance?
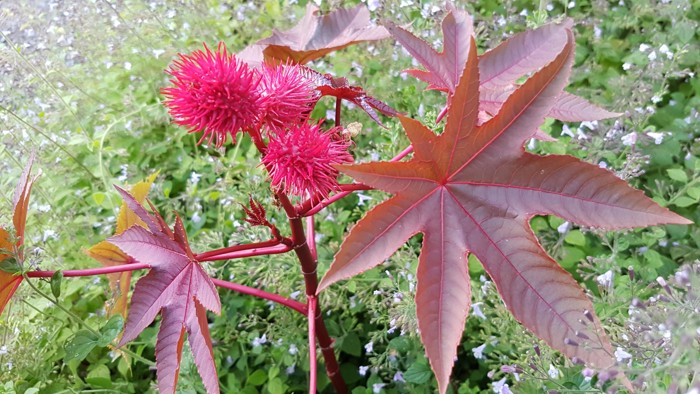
(296, 305)
(91, 271)
(311, 316)
(308, 269)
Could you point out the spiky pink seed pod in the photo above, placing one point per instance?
(215, 93)
(289, 95)
(300, 161)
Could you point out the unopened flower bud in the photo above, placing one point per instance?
(582, 335)
(570, 342)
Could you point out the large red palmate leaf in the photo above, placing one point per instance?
(473, 189)
(9, 282)
(499, 68)
(178, 288)
(317, 35)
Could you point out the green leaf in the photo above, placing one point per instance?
(684, 31)
(677, 175)
(100, 377)
(80, 346)
(10, 265)
(575, 237)
(257, 378)
(418, 373)
(351, 345)
(684, 201)
(99, 198)
(56, 280)
(694, 192)
(110, 330)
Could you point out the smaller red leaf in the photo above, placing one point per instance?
(329, 85)
(178, 288)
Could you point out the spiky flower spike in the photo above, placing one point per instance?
(215, 93)
(301, 160)
(289, 95)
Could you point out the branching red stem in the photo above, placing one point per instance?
(276, 249)
(296, 305)
(237, 248)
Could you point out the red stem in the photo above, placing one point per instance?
(337, 111)
(311, 316)
(277, 249)
(91, 271)
(296, 305)
(311, 236)
(308, 269)
(236, 248)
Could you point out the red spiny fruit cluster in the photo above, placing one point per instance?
(300, 160)
(219, 94)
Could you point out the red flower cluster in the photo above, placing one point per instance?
(289, 95)
(300, 161)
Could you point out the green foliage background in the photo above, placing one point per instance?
(79, 85)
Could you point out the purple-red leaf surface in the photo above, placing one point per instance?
(473, 189)
(499, 68)
(178, 288)
(317, 35)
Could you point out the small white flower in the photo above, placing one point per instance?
(553, 372)
(629, 139)
(377, 387)
(626, 66)
(398, 377)
(501, 387)
(290, 369)
(479, 352)
(565, 130)
(260, 340)
(372, 5)
(621, 355)
(363, 198)
(369, 347)
(195, 177)
(363, 370)
(293, 349)
(603, 165)
(550, 7)
(524, 12)
(3, 350)
(652, 56)
(564, 227)
(196, 218)
(571, 5)
(477, 310)
(664, 49)
(158, 52)
(127, 66)
(605, 279)
(656, 99)
(657, 136)
(330, 114)
(643, 47)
